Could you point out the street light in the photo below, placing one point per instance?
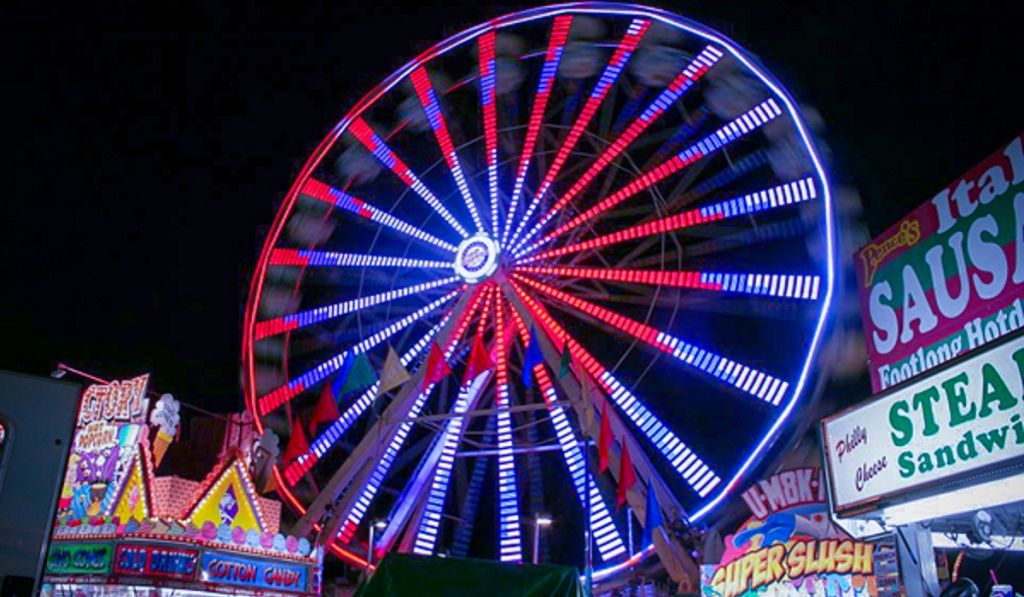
(540, 520)
(378, 525)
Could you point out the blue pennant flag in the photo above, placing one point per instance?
(532, 359)
(342, 375)
(652, 519)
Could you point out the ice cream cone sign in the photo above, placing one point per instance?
(165, 418)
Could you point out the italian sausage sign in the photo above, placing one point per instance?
(949, 276)
(964, 417)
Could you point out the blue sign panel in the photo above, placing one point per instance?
(245, 572)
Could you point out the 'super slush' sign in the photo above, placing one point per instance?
(949, 276)
(964, 417)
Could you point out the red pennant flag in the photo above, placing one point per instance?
(479, 361)
(627, 477)
(326, 410)
(604, 440)
(437, 367)
(297, 443)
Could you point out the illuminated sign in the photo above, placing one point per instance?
(959, 419)
(949, 276)
(233, 570)
(79, 558)
(154, 560)
(111, 420)
(789, 545)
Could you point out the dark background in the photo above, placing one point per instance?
(146, 147)
(145, 152)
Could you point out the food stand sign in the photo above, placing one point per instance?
(949, 276)
(789, 545)
(156, 560)
(79, 559)
(965, 417)
(111, 420)
(255, 574)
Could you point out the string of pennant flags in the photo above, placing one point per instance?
(357, 375)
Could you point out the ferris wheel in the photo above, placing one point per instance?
(574, 216)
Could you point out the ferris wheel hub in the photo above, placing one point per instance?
(477, 258)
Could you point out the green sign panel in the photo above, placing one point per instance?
(79, 558)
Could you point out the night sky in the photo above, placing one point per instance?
(143, 164)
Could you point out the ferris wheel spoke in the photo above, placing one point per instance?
(287, 323)
(775, 285)
(275, 398)
(617, 63)
(329, 438)
(698, 475)
(510, 546)
(776, 197)
(430, 518)
(689, 76)
(312, 258)
(606, 534)
(556, 45)
(317, 190)
(742, 377)
(489, 108)
(428, 99)
(746, 123)
(376, 145)
(354, 505)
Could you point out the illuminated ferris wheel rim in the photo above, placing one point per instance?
(477, 257)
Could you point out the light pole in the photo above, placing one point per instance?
(378, 525)
(539, 521)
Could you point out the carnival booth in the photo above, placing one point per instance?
(936, 459)
(787, 544)
(120, 528)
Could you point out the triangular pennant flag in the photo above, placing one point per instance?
(479, 361)
(566, 363)
(342, 375)
(604, 440)
(652, 519)
(437, 368)
(533, 358)
(360, 376)
(326, 410)
(627, 477)
(297, 443)
(393, 374)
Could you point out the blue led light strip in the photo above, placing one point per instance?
(607, 537)
(376, 145)
(689, 466)
(749, 380)
(737, 128)
(313, 258)
(556, 46)
(319, 373)
(430, 523)
(380, 471)
(686, 79)
(342, 200)
(337, 429)
(510, 547)
(636, 31)
(428, 99)
(779, 196)
(311, 316)
(606, 534)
